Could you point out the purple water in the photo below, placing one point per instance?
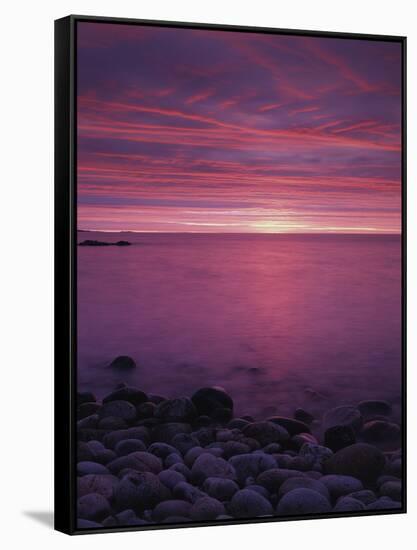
(279, 321)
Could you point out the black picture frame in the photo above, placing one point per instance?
(65, 265)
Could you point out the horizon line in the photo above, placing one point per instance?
(369, 232)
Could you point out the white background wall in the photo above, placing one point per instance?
(26, 289)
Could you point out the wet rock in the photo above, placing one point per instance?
(266, 432)
(207, 465)
(251, 465)
(182, 469)
(208, 400)
(123, 362)
(121, 409)
(87, 409)
(303, 416)
(246, 503)
(88, 422)
(161, 450)
(128, 517)
(128, 393)
(192, 455)
(385, 435)
(206, 508)
(101, 484)
(186, 491)
(372, 408)
(292, 426)
(139, 491)
(222, 415)
(391, 489)
(297, 441)
(181, 409)
(339, 485)
(128, 446)
(220, 489)
(258, 489)
(205, 436)
(365, 496)
(111, 439)
(165, 433)
(145, 410)
(87, 467)
(272, 448)
(273, 479)
(238, 423)
(173, 458)
(93, 507)
(315, 454)
(384, 503)
(171, 478)
(303, 483)
(112, 423)
(154, 398)
(394, 468)
(139, 461)
(339, 437)
(349, 504)
(233, 448)
(171, 508)
(303, 501)
(85, 397)
(360, 460)
(343, 416)
(184, 442)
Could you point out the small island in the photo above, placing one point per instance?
(90, 242)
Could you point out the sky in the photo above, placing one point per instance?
(183, 130)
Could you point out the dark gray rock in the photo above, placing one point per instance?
(303, 483)
(146, 410)
(161, 450)
(192, 455)
(266, 432)
(207, 465)
(165, 433)
(339, 437)
(391, 489)
(139, 461)
(292, 426)
(251, 465)
(297, 441)
(247, 503)
(93, 507)
(87, 524)
(384, 503)
(316, 455)
(238, 423)
(206, 508)
(258, 489)
(181, 409)
(233, 448)
(128, 446)
(184, 442)
(303, 416)
(205, 436)
(123, 362)
(139, 491)
(208, 400)
(360, 460)
(88, 422)
(303, 501)
(127, 393)
(121, 409)
(272, 448)
(370, 409)
(87, 409)
(182, 469)
(273, 479)
(171, 508)
(365, 496)
(385, 435)
(394, 468)
(87, 467)
(170, 478)
(220, 489)
(112, 423)
(173, 458)
(339, 485)
(343, 416)
(186, 491)
(85, 397)
(128, 517)
(348, 504)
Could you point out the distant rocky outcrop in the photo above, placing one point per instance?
(90, 242)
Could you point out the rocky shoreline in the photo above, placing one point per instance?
(145, 459)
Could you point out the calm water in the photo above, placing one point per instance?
(277, 320)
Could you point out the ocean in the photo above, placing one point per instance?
(278, 320)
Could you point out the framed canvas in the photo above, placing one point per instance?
(230, 274)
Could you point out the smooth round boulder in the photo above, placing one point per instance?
(170, 478)
(266, 432)
(173, 458)
(186, 491)
(146, 410)
(343, 416)
(111, 439)
(88, 422)
(316, 455)
(128, 446)
(251, 465)
(87, 409)
(220, 489)
(360, 460)
(273, 479)
(139, 491)
(184, 442)
(93, 507)
(181, 409)
(303, 416)
(169, 508)
(206, 508)
(391, 489)
(339, 485)
(207, 465)
(246, 504)
(139, 461)
(87, 467)
(303, 483)
(292, 426)
(127, 393)
(366, 496)
(165, 433)
(232, 448)
(208, 400)
(349, 504)
(384, 503)
(303, 501)
(161, 450)
(120, 409)
(85, 397)
(372, 408)
(123, 362)
(339, 437)
(385, 435)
